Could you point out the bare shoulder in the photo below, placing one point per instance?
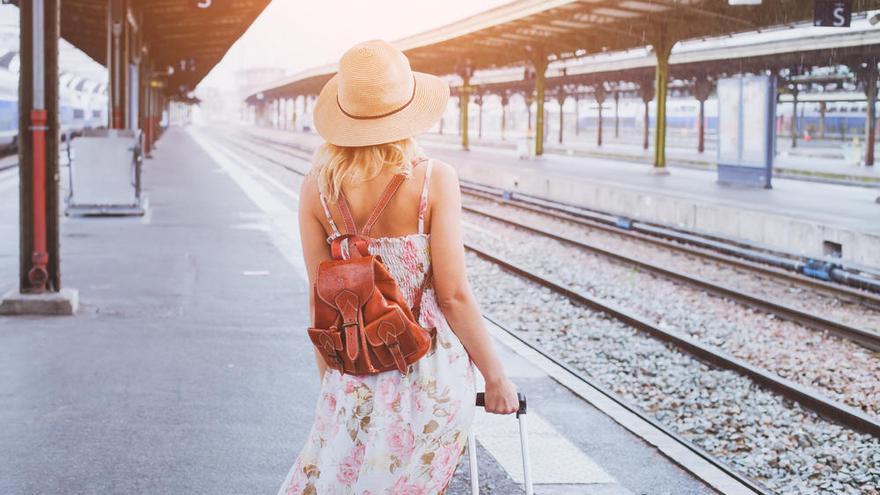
(308, 191)
(444, 177)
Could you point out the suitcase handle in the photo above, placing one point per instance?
(481, 401)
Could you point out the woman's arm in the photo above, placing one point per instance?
(314, 246)
(453, 291)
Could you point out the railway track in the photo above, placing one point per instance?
(617, 399)
(868, 339)
(807, 397)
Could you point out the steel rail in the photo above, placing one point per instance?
(826, 407)
(843, 276)
(838, 290)
(637, 411)
(868, 339)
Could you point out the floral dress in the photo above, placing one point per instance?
(386, 433)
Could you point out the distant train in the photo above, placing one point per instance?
(844, 117)
(82, 105)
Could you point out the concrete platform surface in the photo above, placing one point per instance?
(824, 160)
(187, 370)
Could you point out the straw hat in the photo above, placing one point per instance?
(376, 98)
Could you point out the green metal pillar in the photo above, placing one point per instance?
(662, 47)
(540, 63)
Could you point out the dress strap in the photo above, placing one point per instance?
(423, 199)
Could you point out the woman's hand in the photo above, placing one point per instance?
(501, 397)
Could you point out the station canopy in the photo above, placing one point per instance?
(173, 31)
(516, 33)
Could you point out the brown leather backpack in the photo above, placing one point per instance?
(363, 324)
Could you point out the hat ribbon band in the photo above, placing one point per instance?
(367, 117)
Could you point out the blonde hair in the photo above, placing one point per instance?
(332, 164)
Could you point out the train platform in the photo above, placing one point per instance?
(798, 217)
(184, 371)
(827, 161)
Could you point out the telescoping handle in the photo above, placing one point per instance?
(481, 401)
(524, 445)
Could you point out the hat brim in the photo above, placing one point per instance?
(425, 109)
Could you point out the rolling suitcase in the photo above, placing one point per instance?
(524, 444)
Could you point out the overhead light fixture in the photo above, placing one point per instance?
(744, 2)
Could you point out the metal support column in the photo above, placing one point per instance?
(529, 98)
(479, 102)
(540, 64)
(868, 76)
(117, 62)
(646, 91)
(38, 147)
(823, 108)
(662, 44)
(560, 98)
(616, 114)
(577, 114)
(148, 117)
(464, 99)
(600, 94)
(505, 99)
(702, 89)
(794, 117)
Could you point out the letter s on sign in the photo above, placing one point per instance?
(839, 19)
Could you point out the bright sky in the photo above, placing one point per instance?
(296, 35)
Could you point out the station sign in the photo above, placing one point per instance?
(746, 130)
(832, 13)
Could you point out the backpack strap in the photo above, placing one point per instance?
(389, 192)
(417, 300)
(383, 202)
(345, 210)
(423, 199)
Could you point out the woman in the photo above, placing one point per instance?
(390, 433)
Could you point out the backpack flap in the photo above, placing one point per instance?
(346, 285)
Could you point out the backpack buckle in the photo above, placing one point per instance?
(393, 346)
